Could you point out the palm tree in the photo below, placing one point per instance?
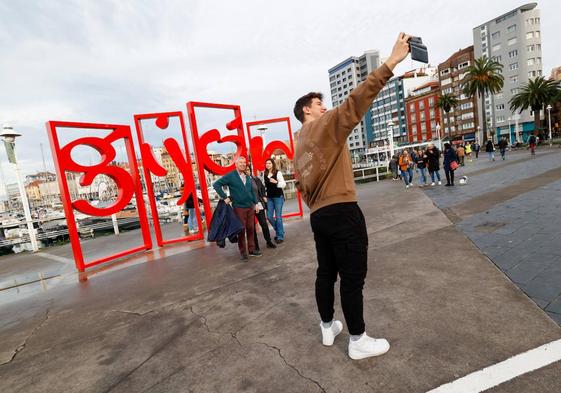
(483, 77)
(535, 94)
(446, 102)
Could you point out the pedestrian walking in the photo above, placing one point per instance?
(532, 141)
(275, 184)
(244, 202)
(490, 149)
(468, 151)
(326, 182)
(406, 168)
(503, 144)
(461, 152)
(476, 148)
(450, 164)
(393, 167)
(421, 162)
(433, 163)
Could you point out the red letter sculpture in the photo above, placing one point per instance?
(181, 159)
(128, 184)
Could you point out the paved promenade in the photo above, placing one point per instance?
(511, 210)
(196, 319)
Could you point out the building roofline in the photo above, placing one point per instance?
(525, 7)
(343, 63)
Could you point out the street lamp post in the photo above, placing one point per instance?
(479, 135)
(549, 118)
(9, 136)
(509, 132)
(261, 130)
(390, 136)
(438, 136)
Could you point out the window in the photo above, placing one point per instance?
(530, 48)
(411, 107)
(532, 74)
(496, 35)
(539, 72)
(529, 21)
(512, 41)
(537, 34)
(500, 107)
(531, 61)
(513, 53)
(498, 59)
(514, 91)
(496, 47)
(513, 66)
(539, 47)
(514, 79)
(500, 119)
(537, 21)
(511, 29)
(529, 35)
(431, 101)
(421, 105)
(424, 127)
(413, 118)
(422, 116)
(538, 60)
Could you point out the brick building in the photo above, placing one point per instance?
(463, 118)
(422, 112)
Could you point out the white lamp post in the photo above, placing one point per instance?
(438, 136)
(8, 135)
(261, 130)
(509, 132)
(390, 136)
(549, 118)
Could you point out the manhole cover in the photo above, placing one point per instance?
(489, 226)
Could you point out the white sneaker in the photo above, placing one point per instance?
(329, 334)
(439, 183)
(432, 184)
(366, 347)
(407, 186)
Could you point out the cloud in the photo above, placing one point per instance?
(103, 61)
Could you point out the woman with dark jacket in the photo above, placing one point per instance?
(449, 156)
(260, 190)
(490, 149)
(433, 163)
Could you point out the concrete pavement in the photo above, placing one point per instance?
(200, 320)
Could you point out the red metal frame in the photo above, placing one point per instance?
(260, 153)
(151, 166)
(128, 183)
(201, 141)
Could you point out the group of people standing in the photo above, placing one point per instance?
(253, 197)
(423, 160)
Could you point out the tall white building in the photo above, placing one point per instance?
(389, 105)
(514, 40)
(343, 78)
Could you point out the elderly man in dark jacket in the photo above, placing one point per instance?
(244, 201)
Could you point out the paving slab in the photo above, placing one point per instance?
(201, 320)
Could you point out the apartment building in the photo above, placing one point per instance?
(343, 78)
(462, 121)
(514, 40)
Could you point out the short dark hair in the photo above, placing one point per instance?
(305, 101)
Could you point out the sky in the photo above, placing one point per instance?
(103, 61)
